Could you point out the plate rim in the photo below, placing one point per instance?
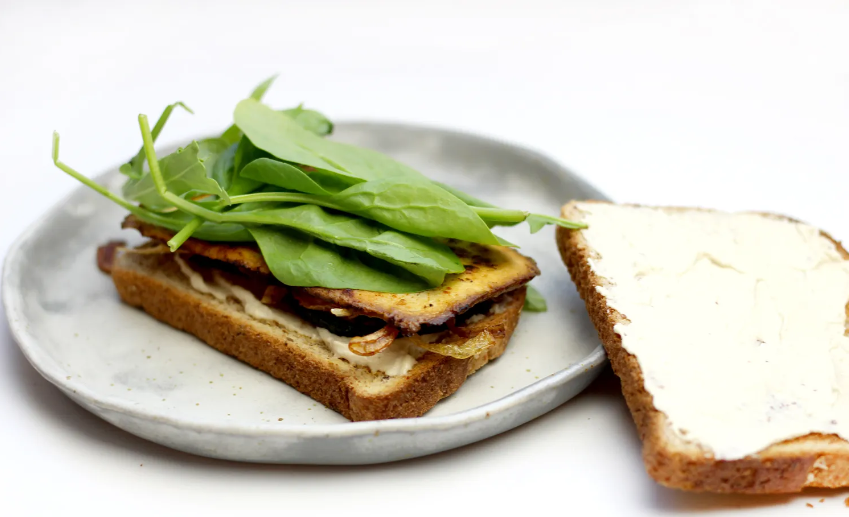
(51, 371)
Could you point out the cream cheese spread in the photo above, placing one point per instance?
(396, 360)
(738, 321)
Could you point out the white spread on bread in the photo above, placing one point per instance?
(398, 359)
(197, 282)
(738, 321)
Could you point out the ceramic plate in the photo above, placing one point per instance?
(168, 387)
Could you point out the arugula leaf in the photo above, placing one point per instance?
(183, 172)
(281, 136)
(280, 174)
(534, 301)
(301, 260)
(420, 256)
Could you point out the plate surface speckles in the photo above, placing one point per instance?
(170, 388)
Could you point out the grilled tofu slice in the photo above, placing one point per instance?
(489, 272)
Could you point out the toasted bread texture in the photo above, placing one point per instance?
(154, 283)
(815, 460)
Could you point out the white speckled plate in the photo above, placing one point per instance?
(168, 387)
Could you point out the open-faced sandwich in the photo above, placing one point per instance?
(346, 274)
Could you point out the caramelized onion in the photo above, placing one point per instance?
(374, 342)
(273, 294)
(462, 349)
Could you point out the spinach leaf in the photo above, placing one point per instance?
(417, 207)
(227, 232)
(281, 136)
(259, 92)
(133, 168)
(233, 134)
(310, 120)
(183, 172)
(534, 301)
(222, 169)
(273, 172)
(465, 198)
(298, 259)
(421, 256)
(213, 232)
(209, 150)
(538, 221)
(494, 216)
(246, 152)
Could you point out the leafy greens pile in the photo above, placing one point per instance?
(323, 213)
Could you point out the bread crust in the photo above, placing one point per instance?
(142, 281)
(815, 460)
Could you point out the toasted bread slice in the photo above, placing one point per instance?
(814, 460)
(154, 283)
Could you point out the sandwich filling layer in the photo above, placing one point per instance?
(398, 359)
(465, 336)
(489, 272)
(738, 321)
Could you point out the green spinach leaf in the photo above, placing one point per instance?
(222, 169)
(233, 134)
(281, 136)
(209, 150)
(246, 152)
(298, 259)
(133, 168)
(183, 172)
(534, 301)
(417, 207)
(280, 174)
(310, 120)
(537, 222)
(213, 232)
(421, 256)
(227, 232)
(465, 198)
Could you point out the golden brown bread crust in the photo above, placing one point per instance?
(815, 460)
(490, 271)
(253, 342)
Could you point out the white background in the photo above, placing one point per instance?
(734, 105)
